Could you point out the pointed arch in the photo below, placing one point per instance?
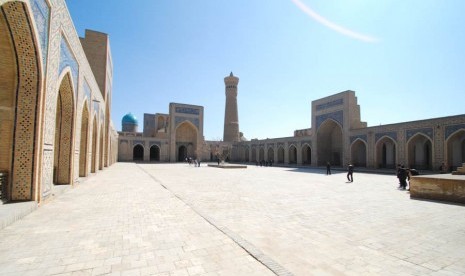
(270, 154)
(329, 141)
(261, 154)
(186, 135)
(254, 154)
(246, 157)
(358, 153)
(93, 167)
(154, 153)
(386, 153)
(420, 152)
(101, 148)
(20, 86)
(292, 154)
(83, 147)
(280, 155)
(306, 154)
(64, 131)
(455, 150)
(138, 152)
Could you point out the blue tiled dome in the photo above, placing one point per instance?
(129, 119)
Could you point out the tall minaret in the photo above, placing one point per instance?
(231, 120)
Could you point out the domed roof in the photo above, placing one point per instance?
(129, 119)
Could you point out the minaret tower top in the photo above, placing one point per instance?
(231, 119)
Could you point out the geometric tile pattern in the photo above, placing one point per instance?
(391, 134)
(26, 101)
(68, 59)
(426, 131)
(451, 129)
(336, 116)
(329, 104)
(179, 120)
(355, 137)
(41, 12)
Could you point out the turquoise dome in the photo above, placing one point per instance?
(129, 119)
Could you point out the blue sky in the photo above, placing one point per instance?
(166, 51)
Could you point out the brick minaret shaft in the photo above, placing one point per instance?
(231, 120)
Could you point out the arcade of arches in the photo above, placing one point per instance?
(45, 109)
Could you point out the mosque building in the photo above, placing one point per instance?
(339, 137)
(55, 99)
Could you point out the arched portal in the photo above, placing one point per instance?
(246, 154)
(154, 153)
(182, 153)
(186, 135)
(420, 154)
(83, 144)
(19, 100)
(261, 154)
(101, 148)
(456, 149)
(138, 153)
(280, 155)
(358, 153)
(329, 139)
(292, 155)
(106, 146)
(386, 153)
(254, 155)
(306, 155)
(270, 154)
(64, 132)
(93, 163)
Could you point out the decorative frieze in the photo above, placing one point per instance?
(337, 116)
(187, 110)
(329, 104)
(391, 134)
(426, 131)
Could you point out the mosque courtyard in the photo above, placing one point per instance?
(176, 219)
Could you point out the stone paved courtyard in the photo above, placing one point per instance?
(175, 219)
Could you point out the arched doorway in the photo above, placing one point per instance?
(182, 153)
(270, 154)
(246, 154)
(292, 155)
(329, 139)
(83, 143)
(254, 155)
(386, 153)
(19, 100)
(420, 153)
(101, 149)
(358, 153)
(306, 155)
(138, 153)
(93, 165)
(456, 149)
(280, 155)
(186, 135)
(154, 153)
(261, 154)
(64, 132)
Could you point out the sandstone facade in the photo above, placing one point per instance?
(54, 105)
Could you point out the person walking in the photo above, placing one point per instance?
(350, 172)
(328, 168)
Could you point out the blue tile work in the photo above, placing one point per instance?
(155, 143)
(426, 131)
(87, 89)
(41, 12)
(355, 137)
(135, 142)
(451, 129)
(178, 120)
(187, 110)
(337, 116)
(391, 134)
(67, 59)
(309, 142)
(329, 104)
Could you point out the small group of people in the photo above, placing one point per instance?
(403, 174)
(350, 171)
(191, 161)
(265, 163)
